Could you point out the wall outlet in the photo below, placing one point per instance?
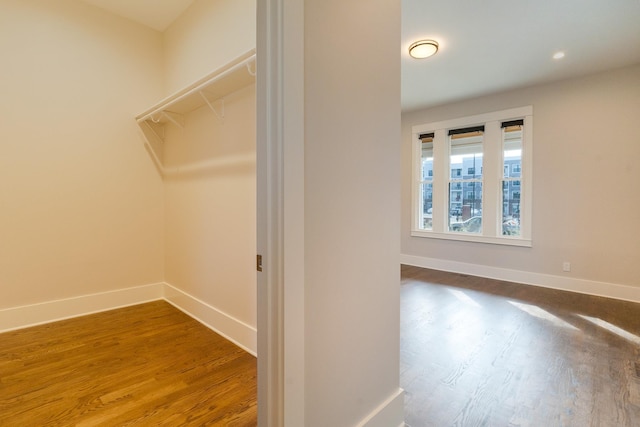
(566, 266)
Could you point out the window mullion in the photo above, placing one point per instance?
(440, 180)
(492, 164)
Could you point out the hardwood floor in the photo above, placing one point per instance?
(480, 352)
(148, 365)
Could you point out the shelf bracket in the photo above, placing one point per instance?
(156, 129)
(219, 111)
(175, 118)
(252, 72)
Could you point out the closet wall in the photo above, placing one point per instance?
(81, 206)
(209, 34)
(210, 197)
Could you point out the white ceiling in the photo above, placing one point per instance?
(493, 45)
(485, 46)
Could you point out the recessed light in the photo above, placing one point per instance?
(558, 55)
(423, 49)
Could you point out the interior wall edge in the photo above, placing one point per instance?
(572, 284)
(21, 317)
(241, 334)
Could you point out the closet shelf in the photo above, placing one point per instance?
(209, 90)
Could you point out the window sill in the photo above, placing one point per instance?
(466, 237)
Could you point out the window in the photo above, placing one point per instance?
(511, 157)
(465, 153)
(473, 178)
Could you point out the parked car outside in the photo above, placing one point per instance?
(510, 227)
(472, 225)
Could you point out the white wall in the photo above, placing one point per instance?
(586, 203)
(211, 212)
(352, 178)
(207, 35)
(80, 203)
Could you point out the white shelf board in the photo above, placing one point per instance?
(211, 90)
(216, 85)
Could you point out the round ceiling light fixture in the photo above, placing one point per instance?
(558, 55)
(423, 49)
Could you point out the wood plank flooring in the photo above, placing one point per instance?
(480, 352)
(147, 365)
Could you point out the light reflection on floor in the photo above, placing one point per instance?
(612, 328)
(542, 314)
(464, 298)
(545, 315)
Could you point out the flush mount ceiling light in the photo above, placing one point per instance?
(558, 55)
(423, 49)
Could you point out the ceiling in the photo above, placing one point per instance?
(493, 45)
(485, 46)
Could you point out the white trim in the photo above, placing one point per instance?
(234, 330)
(388, 413)
(280, 169)
(573, 284)
(478, 119)
(51, 311)
(526, 190)
(468, 237)
(293, 228)
(270, 107)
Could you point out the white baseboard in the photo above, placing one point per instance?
(583, 286)
(51, 311)
(388, 413)
(241, 334)
(236, 331)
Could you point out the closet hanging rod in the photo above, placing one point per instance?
(240, 63)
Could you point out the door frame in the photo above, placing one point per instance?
(280, 211)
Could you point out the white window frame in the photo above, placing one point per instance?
(493, 170)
